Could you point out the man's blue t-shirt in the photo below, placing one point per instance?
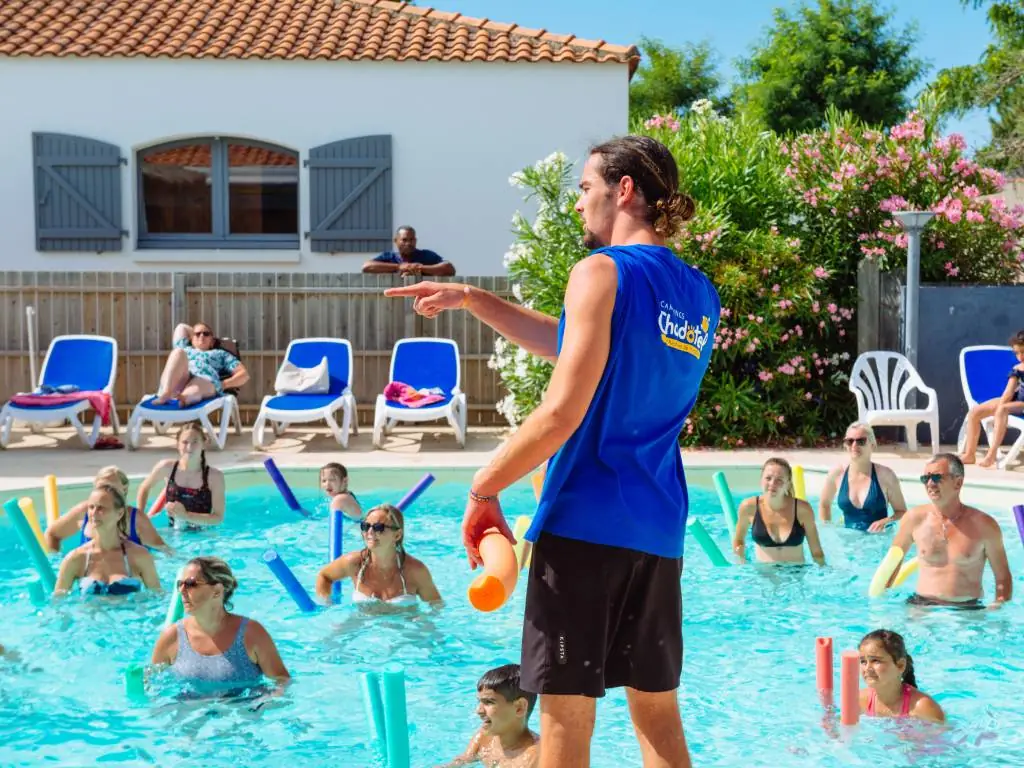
(619, 479)
(419, 256)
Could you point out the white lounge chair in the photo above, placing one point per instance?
(983, 373)
(85, 361)
(162, 416)
(284, 409)
(424, 364)
(882, 383)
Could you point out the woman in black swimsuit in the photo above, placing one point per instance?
(779, 521)
(195, 490)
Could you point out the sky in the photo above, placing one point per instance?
(948, 34)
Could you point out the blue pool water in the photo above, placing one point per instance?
(748, 687)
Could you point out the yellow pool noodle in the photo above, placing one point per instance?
(907, 570)
(50, 497)
(28, 508)
(885, 569)
(799, 489)
(521, 526)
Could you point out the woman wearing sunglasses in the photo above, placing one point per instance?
(212, 646)
(382, 573)
(194, 367)
(865, 490)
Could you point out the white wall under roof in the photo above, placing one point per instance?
(459, 131)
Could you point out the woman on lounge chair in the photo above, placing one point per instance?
(194, 368)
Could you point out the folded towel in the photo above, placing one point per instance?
(61, 389)
(100, 401)
(399, 392)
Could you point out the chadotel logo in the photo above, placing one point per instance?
(679, 333)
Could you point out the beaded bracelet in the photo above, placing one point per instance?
(477, 497)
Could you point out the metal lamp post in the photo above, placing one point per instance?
(913, 222)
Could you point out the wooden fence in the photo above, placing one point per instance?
(879, 309)
(263, 311)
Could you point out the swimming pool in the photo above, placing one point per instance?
(748, 685)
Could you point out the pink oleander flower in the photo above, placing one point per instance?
(776, 288)
(894, 203)
(808, 396)
(832, 308)
(765, 375)
(726, 312)
(951, 271)
(975, 218)
(781, 419)
(820, 272)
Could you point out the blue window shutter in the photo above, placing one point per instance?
(78, 193)
(350, 195)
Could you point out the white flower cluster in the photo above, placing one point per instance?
(515, 253)
(517, 179)
(551, 162)
(507, 408)
(702, 107)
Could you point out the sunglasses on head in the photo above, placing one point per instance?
(848, 441)
(934, 477)
(377, 527)
(203, 333)
(188, 583)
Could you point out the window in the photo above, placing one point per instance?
(218, 193)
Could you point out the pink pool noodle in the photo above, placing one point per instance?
(849, 683)
(158, 506)
(1018, 514)
(823, 664)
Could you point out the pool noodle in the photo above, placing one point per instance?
(799, 488)
(283, 487)
(28, 508)
(1018, 515)
(849, 684)
(31, 544)
(158, 504)
(908, 569)
(519, 532)
(415, 491)
(492, 589)
(700, 533)
(36, 592)
(374, 704)
(885, 571)
(50, 501)
(135, 681)
(537, 480)
(335, 547)
(291, 585)
(175, 608)
(726, 500)
(825, 674)
(396, 719)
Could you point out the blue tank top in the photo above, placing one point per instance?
(875, 505)
(619, 479)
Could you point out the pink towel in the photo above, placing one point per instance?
(398, 392)
(100, 401)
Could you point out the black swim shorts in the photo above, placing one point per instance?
(967, 605)
(601, 617)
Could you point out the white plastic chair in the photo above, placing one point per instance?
(882, 383)
(90, 363)
(983, 373)
(424, 364)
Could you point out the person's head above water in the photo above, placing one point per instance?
(384, 532)
(943, 477)
(191, 444)
(333, 478)
(859, 442)
(107, 512)
(884, 661)
(630, 184)
(206, 585)
(776, 478)
(502, 705)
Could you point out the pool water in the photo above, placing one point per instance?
(748, 685)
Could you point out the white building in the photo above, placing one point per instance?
(279, 136)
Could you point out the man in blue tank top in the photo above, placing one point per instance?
(603, 599)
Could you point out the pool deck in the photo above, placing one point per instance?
(29, 457)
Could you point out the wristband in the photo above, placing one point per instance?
(478, 497)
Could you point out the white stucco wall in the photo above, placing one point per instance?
(459, 131)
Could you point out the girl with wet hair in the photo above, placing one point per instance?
(888, 672)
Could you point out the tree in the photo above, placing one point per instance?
(843, 53)
(670, 79)
(996, 83)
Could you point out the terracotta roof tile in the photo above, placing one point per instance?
(282, 29)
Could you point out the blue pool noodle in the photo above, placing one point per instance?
(396, 720)
(31, 544)
(336, 547)
(374, 704)
(417, 489)
(283, 487)
(291, 585)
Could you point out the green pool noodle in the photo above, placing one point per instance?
(175, 610)
(726, 500)
(374, 704)
(31, 544)
(396, 721)
(700, 533)
(36, 592)
(135, 681)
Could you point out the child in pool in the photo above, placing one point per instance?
(888, 671)
(504, 740)
(334, 482)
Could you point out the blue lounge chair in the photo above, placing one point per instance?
(424, 364)
(983, 373)
(84, 361)
(284, 409)
(161, 416)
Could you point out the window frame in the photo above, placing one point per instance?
(220, 238)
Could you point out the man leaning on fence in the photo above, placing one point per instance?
(408, 260)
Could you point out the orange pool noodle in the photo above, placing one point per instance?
(823, 662)
(158, 506)
(492, 588)
(849, 681)
(538, 482)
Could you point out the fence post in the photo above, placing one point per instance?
(868, 305)
(178, 299)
